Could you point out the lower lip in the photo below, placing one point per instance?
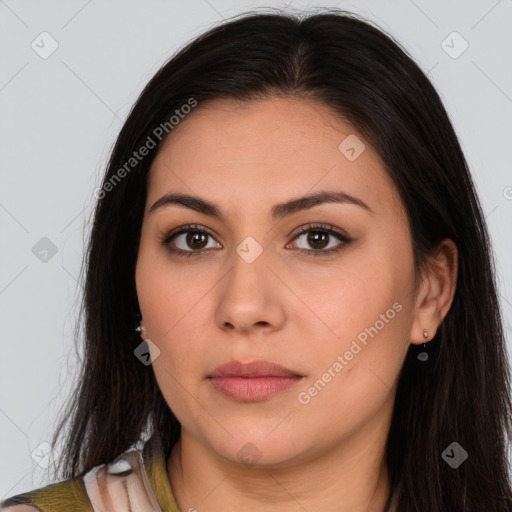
(252, 389)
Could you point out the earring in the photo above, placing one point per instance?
(139, 327)
(423, 356)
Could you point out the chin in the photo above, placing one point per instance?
(259, 450)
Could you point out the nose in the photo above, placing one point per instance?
(251, 297)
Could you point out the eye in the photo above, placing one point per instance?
(320, 238)
(188, 240)
(191, 240)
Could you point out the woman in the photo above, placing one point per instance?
(289, 223)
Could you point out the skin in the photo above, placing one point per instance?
(296, 310)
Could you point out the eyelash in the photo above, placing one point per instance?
(322, 228)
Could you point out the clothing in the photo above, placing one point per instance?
(133, 482)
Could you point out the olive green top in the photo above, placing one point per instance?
(133, 481)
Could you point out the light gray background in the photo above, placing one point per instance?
(60, 116)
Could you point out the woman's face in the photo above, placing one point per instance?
(255, 280)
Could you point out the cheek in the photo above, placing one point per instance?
(354, 373)
(354, 295)
(166, 294)
(366, 306)
(173, 309)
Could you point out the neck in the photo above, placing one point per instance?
(352, 477)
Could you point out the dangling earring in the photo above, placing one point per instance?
(423, 356)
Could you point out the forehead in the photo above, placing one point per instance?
(272, 148)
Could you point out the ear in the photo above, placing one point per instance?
(435, 292)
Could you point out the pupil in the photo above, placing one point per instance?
(192, 238)
(313, 239)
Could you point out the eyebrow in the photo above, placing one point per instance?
(278, 211)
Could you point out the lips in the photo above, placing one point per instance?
(252, 382)
(252, 369)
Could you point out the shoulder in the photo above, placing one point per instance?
(66, 495)
(109, 486)
(19, 508)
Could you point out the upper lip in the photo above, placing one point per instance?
(252, 369)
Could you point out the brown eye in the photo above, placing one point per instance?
(318, 240)
(189, 240)
(192, 240)
(196, 240)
